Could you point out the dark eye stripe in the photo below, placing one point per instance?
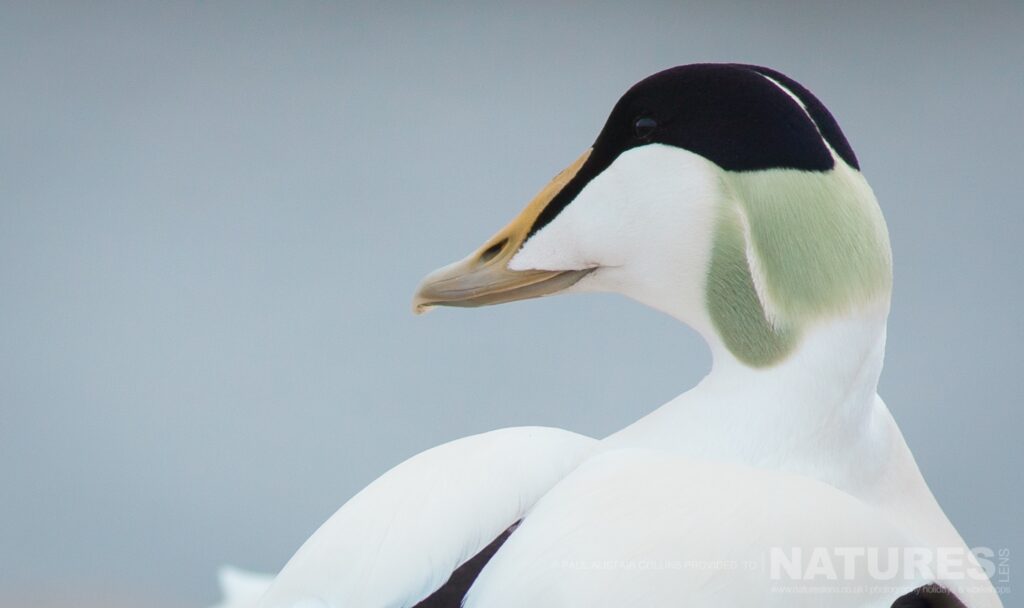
(740, 117)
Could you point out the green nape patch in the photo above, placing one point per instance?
(733, 303)
(821, 249)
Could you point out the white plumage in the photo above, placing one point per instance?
(642, 528)
(782, 264)
(400, 538)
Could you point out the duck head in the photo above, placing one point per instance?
(725, 195)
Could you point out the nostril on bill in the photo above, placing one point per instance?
(492, 251)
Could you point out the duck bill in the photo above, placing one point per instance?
(484, 278)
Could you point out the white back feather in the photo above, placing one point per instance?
(402, 536)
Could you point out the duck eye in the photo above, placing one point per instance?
(644, 127)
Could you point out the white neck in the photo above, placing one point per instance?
(813, 413)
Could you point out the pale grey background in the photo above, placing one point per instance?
(213, 216)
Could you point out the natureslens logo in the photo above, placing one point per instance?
(881, 563)
(831, 570)
(819, 568)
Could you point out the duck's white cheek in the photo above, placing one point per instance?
(591, 231)
(653, 206)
